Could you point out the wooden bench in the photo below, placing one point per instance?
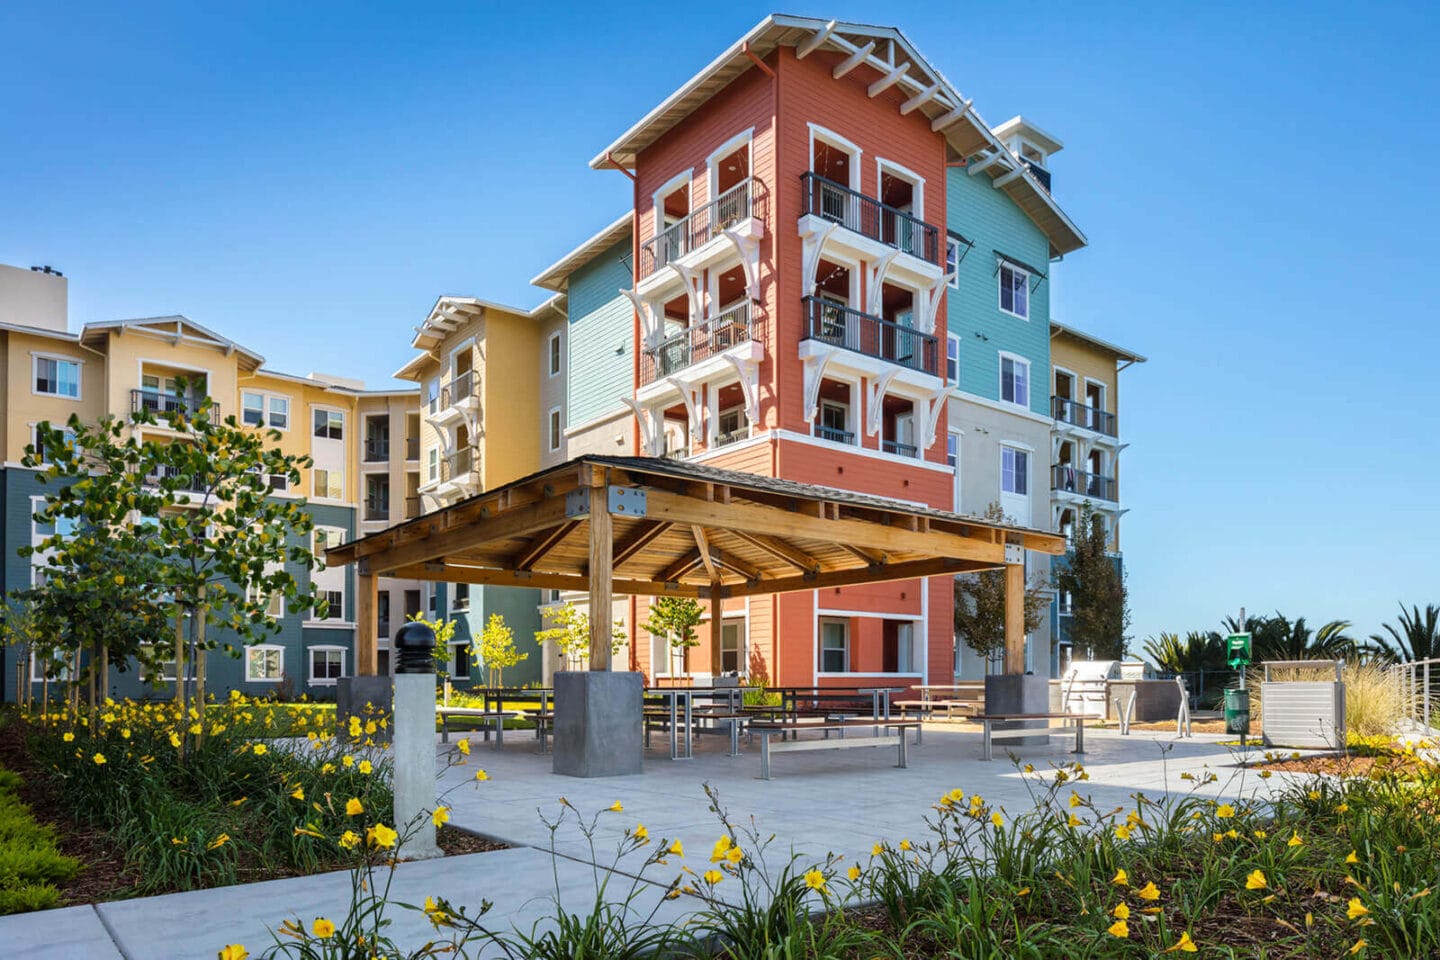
(990, 720)
(966, 697)
(768, 728)
(492, 718)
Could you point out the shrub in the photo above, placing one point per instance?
(30, 865)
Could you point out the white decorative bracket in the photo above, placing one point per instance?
(749, 249)
(649, 435)
(874, 397)
(930, 303)
(930, 408)
(875, 282)
(690, 396)
(814, 371)
(814, 244)
(692, 282)
(650, 326)
(749, 370)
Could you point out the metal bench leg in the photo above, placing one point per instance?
(1079, 736)
(734, 738)
(985, 754)
(444, 728)
(904, 750)
(499, 732)
(765, 756)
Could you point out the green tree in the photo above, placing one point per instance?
(196, 502)
(1198, 651)
(21, 631)
(496, 649)
(979, 613)
(1415, 636)
(675, 618)
(1279, 638)
(1099, 609)
(571, 634)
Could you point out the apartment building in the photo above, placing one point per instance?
(1085, 449)
(166, 363)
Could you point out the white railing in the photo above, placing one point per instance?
(1415, 678)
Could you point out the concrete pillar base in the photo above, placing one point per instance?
(414, 775)
(351, 695)
(598, 723)
(1019, 693)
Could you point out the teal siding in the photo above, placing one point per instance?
(991, 219)
(601, 367)
(521, 610)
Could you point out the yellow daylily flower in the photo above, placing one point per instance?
(353, 807)
(381, 836)
(298, 793)
(1359, 945)
(366, 768)
(815, 880)
(905, 845)
(441, 816)
(617, 807)
(218, 842)
(349, 840)
(1184, 944)
(1351, 857)
(1294, 840)
(713, 877)
(68, 737)
(640, 832)
(323, 929)
(1119, 929)
(853, 873)
(1256, 881)
(99, 759)
(1121, 911)
(1148, 892)
(481, 775)
(1121, 879)
(1355, 909)
(463, 746)
(996, 820)
(1224, 811)
(234, 951)
(676, 849)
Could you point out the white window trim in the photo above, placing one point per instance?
(953, 280)
(467, 344)
(259, 647)
(712, 162)
(38, 355)
(955, 339)
(315, 681)
(554, 359)
(344, 423)
(657, 199)
(266, 397)
(1000, 358)
(1029, 457)
(820, 645)
(1104, 392)
(455, 645)
(999, 287)
(555, 428)
(959, 467)
(455, 598)
(834, 139)
(1074, 380)
(917, 206)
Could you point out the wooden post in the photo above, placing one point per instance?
(1015, 618)
(717, 612)
(179, 656)
(602, 535)
(367, 602)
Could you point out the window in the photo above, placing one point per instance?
(460, 598)
(432, 471)
(265, 663)
(952, 357)
(40, 450)
(460, 661)
(57, 378)
(952, 459)
(274, 602)
(334, 604)
(328, 484)
(1014, 291)
(1015, 380)
(252, 407)
(279, 483)
(952, 262)
(554, 356)
(834, 646)
(834, 422)
(164, 670)
(1014, 471)
(731, 426)
(555, 429)
(325, 538)
(330, 424)
(279, 413)
(732, 646)
(327, 664)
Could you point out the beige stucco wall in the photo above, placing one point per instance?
(33, 299)
(24, 407)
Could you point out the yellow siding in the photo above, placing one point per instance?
(1086, 362)
(25, 407)
(510, 402)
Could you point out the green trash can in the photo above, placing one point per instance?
(1237, 710)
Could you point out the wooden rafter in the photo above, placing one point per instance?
(679, 568)
(533, 554)
(872, 558)
(887, 81)
(703, 546)
(780, 550)
(912, 570)
(813, 42)
(640, 537)
(853, 61)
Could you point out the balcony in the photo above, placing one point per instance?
(1093, 486)
(377, 450)
(698, 229)
(1077, 414)
(412, 507)
(457, 466)
(412, 449)
(377, 509)
(163, 404)
(841, 326)
(867, 216)
(194, 484)
(899, 449)
(457, 398)
(694, 344)
(732, 436)
(835, 435)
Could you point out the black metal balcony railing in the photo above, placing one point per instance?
(869, 217)
(697, 229)
(844, 327)
(377, 449)
(412, 448)
(834, 435)
(162, 404)
(195, 484)
(412, 508)
(1091, 418)
(732, 436)
(697, 343)
(899, 449)
(457, 464)
(377, 509)
(1065, 477)
(461, 387)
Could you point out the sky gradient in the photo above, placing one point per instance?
(308, 178)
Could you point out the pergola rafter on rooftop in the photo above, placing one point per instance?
(654, 527)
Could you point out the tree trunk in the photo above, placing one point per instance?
(202, 611)
(179, 655)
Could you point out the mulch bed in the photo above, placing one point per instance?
(103, 874)
(1344, 765)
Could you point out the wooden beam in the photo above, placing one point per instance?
(1015, 618)
(637, 540)
(520, 522)
(772, 522)
(910, 570)
(954, 116)
(1015, 174)
(920, 99)
(853, 61)
(872, 557)
(602, 546)
(888, 81)
(731, 562)
(703, 545)
(717, 612)
(813, 42)
(679, 568)
(780, 550)
(540, 580)
(549, 540)
(367, 627)
(985, 163)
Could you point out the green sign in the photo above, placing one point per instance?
(1237, 647)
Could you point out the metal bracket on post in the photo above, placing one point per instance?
(1014, 553)
(577, 503)
(626, 501)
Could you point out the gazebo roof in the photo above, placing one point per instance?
(685, 529)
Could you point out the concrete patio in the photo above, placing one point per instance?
(821, 802)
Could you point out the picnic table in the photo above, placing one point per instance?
(487, 718)
(989, 720)
(879, 738)
(946, 696)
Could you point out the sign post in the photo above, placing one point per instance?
(1237, 703)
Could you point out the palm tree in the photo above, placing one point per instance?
(1417, 637)
(1278, 638)
(1198, 651)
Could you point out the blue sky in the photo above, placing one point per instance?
(1255, 181)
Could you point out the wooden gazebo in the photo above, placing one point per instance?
(656, 527)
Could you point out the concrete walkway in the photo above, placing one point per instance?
(819, 802)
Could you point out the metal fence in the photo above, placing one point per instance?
(1419, 682)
